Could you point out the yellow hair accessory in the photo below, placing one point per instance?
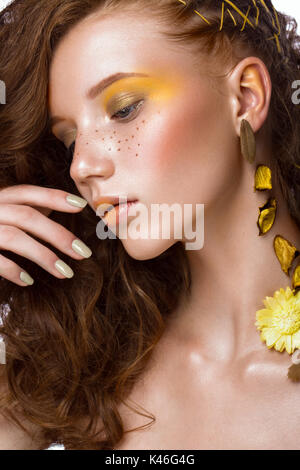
(275, 22)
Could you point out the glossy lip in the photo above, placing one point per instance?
(112, 200)
(120, 212)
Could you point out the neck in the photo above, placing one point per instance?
(234, 271)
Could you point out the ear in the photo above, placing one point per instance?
(250, 92)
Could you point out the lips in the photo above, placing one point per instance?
(106, 206)
(116, 213)
(121, 204)
(112, 200)
(110, 208)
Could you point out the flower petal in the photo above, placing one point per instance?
(288, 293)
(296, 339)
(271, 336)
(264, 318)
(288, 344)
(271, 303)
(280, 344)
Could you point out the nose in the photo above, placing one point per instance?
(90, 160)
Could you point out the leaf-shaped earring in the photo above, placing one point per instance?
(267, 214)
(248, 144)
(286, 252)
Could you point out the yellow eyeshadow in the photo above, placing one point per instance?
(153, 87)
(122, 100)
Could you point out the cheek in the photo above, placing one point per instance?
(125, 139)
(188, 149)
(178, 132)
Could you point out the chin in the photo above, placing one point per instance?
(146, 249)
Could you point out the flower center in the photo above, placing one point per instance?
(287, 320)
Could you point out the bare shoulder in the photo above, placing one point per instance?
(12, 437)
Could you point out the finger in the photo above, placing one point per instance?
(11, 271)
(17, 241)
(44, 210)
(55, 199)
(30, 220)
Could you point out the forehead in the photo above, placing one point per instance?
(101, 46)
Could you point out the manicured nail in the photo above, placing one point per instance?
(26, 278)
(81, 248)
(64, 269)
(76, 201)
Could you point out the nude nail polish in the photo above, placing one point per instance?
(80, 248)
(25, 277)
(64, 269)
(76, 201)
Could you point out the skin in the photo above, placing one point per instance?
(211, 382)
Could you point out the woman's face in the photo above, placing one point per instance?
(161, 134)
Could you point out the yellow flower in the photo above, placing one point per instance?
(279, 322)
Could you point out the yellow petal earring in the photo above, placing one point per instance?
(262, 179)
(279, 321)
(267, 214)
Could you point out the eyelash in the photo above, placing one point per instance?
(136, 107)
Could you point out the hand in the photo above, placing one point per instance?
(18, 217)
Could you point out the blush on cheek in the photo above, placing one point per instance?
(167, 137)
(187, 135)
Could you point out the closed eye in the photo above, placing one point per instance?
(125, 114)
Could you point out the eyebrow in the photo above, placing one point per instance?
(99, 88)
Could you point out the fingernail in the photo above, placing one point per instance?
(76, 201)
(26, 278)
(81, 248)
(64, 269)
